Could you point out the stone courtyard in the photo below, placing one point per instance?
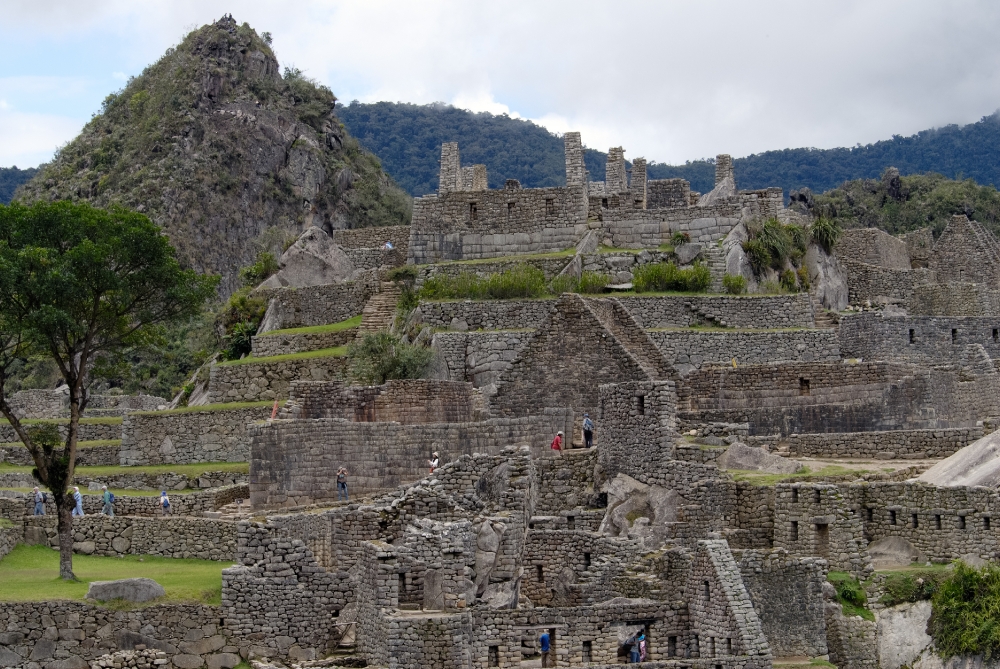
(746, 447)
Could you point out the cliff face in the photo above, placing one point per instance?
(213, 144)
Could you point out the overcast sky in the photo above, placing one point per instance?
(670, 81)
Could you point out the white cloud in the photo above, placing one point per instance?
(29, 139)
(120, 76)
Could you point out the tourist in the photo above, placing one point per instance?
(78, 498)
(588, 431)
(545, 647)
(557, 442)
(39, 502)
(109, 502)
(164, 502)
(387, 246)
(434, 462)
(342, 483)
(642, 646)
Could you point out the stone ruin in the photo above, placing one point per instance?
(702, 518)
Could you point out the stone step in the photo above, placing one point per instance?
(380, 310)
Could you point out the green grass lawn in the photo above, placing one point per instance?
(227, 406)
(565, 253)
(189, 470)
(338, 351)
(762, 479)
(31, 573)
(318, 329)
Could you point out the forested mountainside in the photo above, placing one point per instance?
(407, 138)
(10, 179)
(218, 148)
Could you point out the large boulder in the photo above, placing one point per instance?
(828, 278)
(639, 511)
(749, 458)
(978, 464)
(725, 189)
(313, 260)
(686, 253)
(128, 589)
(893, 552)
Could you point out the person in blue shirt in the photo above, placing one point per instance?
(543, 643)
(78, 498)
(588, 431)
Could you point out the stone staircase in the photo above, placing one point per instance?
(823, 317)
(380, 310)
(613, 316)
(715, 258)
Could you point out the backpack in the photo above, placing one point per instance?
(45, 498)
(166, 503)
(111, 496)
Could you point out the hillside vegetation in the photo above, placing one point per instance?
(10, 179)
(408, 139)
(900, 204)
(216, 146)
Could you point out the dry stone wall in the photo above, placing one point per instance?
(405, 401)
(316, 305)
(695, 347)
(10, 537)
(96, 429)
(760, 312)
(270, 378)
(478, 357)
(282, 344)
(873, 247)
(17, 505)
(68, 635)
(953, 299)
(870, 283)
(485, 314)
(217, 435)
(295, 462)
(920, 339)
(17, 454)
(882, 445)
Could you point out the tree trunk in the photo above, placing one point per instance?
(64, 511)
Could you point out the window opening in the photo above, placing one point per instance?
(892, 517)
(795, 495)
(586, 560)
(912, 336)
(550, 207)
(803, 386)
(961, 522)
(473, 211)
(494, 656)
(539, 573)
(795, 530)
(915, 521)
(954, 335)
(937, 522)
(641, 405)
(588, 651)
(816, 496)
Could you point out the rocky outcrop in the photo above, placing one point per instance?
(127, 589)
(313, 260)
(975, 465)
(217, 147)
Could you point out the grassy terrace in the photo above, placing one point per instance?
(566, 253)
(191, 471)
(31, 573)
(225, 406)
(336, 351)
(317, 329)
(828, 472)
(712, 328)
(103, 420)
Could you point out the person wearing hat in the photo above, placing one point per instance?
(164, 503)
(588, 431)
(78, 498)
(39, 502)
(434, 462)
(342, 484)
(109, 502)
(557, 442)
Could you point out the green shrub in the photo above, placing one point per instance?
(243, 310)
(770, 288)
(758, 255)
(965, 618)
(679, 238)
(910, 586)
(803, 273)
(734, 284)
(265, 266)
(564, 283)
(660, 277)
(789, 281)
(825, 232)
(382, 356)
(519, 281)
(404, 274)
(238, 340)
(775, 238)
(594, 282)
(850, 595)
(798, 236)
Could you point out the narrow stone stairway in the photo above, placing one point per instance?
(823, 317)
(380, 311)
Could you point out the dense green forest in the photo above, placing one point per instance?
(10, 179)
(407, 138)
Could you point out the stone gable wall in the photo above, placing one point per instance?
(255, 381)
(635, 427)
(966, 252)
(873, 247)
(189, 436)
(696, 348)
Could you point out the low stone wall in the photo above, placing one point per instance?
(16, 506)
(698, 347)
(549, 266)
(17, 454)
(67, 635)
(270, 379)
(202, 538)
(486, 314)
(295, 462)
(217, 435)
(10, 537)
(925, 340)
(851, 639)
(373, 237)
(886, 445)
(479, 357)
(871, 283)
(281, 344)
(316, 305)
(953, 299)
(167, 481)
(405, 401)
(873, 247)
(90, 430)
(749, 311)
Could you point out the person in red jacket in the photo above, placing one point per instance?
(557, 442)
